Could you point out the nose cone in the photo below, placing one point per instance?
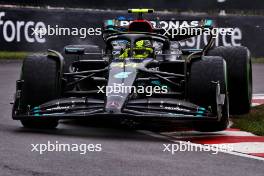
(120, 81)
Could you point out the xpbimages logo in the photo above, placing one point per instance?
(63, 147)
(122, 89)
(66, 31)
(187, 146)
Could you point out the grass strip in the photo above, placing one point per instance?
(252, 122)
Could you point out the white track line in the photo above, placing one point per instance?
(248, 147)
(187, 134)
(255, 104)
(152, 134)
(258, 96)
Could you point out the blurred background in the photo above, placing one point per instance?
(211, 6)
(17, 17)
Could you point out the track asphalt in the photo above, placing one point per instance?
(124, 152)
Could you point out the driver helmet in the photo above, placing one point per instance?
(142, 49)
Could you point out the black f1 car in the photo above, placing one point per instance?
(141, 75)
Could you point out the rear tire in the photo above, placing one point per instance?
(41, 84)
(202, 91)
(239, 69)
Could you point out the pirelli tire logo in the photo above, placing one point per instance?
(19, 31)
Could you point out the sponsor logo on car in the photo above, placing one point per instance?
(166, 23)
(121, 65)
(122, 75)
(176, 108)
(58, 108)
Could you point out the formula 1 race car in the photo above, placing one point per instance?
(141, 75)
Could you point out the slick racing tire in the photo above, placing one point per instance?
(70, 58)
(239, 71)
(40, 74)
(204, 74)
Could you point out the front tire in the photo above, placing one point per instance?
(239, 70)
(202, 91)
(40, 74)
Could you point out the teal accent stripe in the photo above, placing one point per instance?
(208, 22)
(201, 109)
(200, 112)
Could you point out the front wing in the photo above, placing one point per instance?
(149, 109)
